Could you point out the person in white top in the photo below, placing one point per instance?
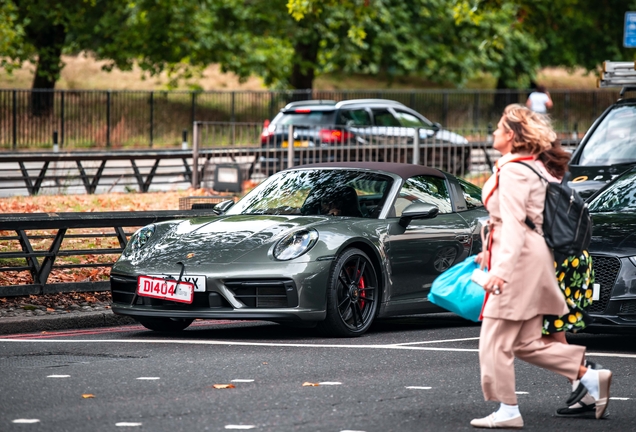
(539, 100)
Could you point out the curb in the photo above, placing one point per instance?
(78, 320)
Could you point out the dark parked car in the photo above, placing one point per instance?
(607, 149)
(613, 250)
(323, 124)
(279, 254)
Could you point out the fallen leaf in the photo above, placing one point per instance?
(223, 386)
(48, 309)
(190, 255)
(308, 384)
(88, 396)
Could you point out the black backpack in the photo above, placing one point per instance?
(567, 226)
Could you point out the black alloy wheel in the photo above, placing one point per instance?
(352, 295)
(164, 324)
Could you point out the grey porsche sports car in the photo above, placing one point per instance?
(336, 245)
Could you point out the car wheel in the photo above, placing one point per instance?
(164, 324)
(352, 295)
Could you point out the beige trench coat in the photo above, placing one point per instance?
(519, 255)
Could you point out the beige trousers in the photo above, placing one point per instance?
(502, 340)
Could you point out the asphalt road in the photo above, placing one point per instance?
(412, 374)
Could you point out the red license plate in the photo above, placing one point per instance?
(167, 289)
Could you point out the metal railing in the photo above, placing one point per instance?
(101, 119)
(43, 245)
(257, 153)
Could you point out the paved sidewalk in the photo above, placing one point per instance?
(71, 320)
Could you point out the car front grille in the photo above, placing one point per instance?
(606, 271)
(268, 293)
(628, 308)
(123, 290)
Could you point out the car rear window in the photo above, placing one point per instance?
(305, 118)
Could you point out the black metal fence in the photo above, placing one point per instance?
(86, 119)
(43, 244)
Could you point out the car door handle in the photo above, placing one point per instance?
(463, 238)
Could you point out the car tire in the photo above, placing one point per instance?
(353, 295)
(164, 324)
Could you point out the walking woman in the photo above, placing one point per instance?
(521, 285)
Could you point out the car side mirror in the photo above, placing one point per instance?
(436, 126)
(418, 211)
(223, 206)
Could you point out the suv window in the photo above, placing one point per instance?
(383, 117)
(409, 120)
(424, 189)
(359, 117)
(472, 194)
(614, 140)
(304, 118)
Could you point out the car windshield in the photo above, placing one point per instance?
(304, 118)
(618, 197)
(614, 140)
(335, 192)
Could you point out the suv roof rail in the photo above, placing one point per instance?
(309, 102)
(618, 74)
(369, 101)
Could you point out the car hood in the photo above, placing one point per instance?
(218, 240)
(586, 180)
(614, 233)
(450, 137)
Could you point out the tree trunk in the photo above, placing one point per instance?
(504, 97)
(303, 71)
(49, 44)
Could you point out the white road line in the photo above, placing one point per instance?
(25, 421)
(271, 344)
(127, 424)
(348, 430)
(242, 380)
(239, 426)
(436, 341)
(58, 376)
(418, 388)
(148, 378)
(619, 398)
(518, 392)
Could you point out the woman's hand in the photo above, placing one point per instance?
(479, 258)
(494, 284)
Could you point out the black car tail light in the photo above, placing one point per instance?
(333, 136)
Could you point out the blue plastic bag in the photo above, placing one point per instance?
(454, 291)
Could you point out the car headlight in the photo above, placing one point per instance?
(139, 239)
(633, 260)
(295, 244)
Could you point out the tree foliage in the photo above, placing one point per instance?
(290, 42)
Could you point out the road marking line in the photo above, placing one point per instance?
(619, 398)
(242, 380)
(271, 344)
(25, 421)
(436, 341)
(518, 392)
(127, 424)
(418, 388)
(239, 426)
(58, 376)
(148, 378)
(348, 430)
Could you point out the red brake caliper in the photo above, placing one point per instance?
(363, 293)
